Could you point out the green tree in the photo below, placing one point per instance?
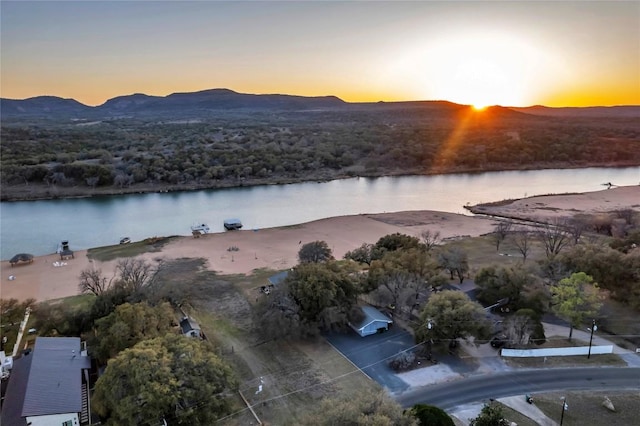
(362, 254)
(314, 252)
(452, 315)
(174, 378)
(491, 415)
(323, 292)
(365, 408)
(393, 242)
(429, 415)
(128, 325)
(510, 283)
(575, 299)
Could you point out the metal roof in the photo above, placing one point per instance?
(188, 324)
(278, 278)
(371, 314)
(54, 385)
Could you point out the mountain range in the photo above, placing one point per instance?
(216, 100)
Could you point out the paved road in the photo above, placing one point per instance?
(497, 385)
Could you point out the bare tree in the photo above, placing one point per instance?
(522, 239)
(455, 261)
(92, 181)
(576, 227)
(554, 237)
(629, 215)
(430, 239)
(500, 232)
(92, 281)
(518, 329)
(397, 283)
(136, 274)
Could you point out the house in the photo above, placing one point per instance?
(190, 327)
(274, 280)
(49, 385)
(374, 322)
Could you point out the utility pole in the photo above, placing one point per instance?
(593, 328)
(429, 340)
(565, 407)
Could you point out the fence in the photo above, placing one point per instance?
(575, 350)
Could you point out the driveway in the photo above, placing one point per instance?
(371, 354)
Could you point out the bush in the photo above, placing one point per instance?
(403, 361)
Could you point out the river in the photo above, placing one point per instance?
(37, 227)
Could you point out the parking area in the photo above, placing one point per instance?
(371, 354)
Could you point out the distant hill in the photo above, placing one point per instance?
(42, 106)
(213, 101)
(623, 111)
(179, 104)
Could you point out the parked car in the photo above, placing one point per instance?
(498, 341)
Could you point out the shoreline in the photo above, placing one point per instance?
(277, 248)
(43, 192)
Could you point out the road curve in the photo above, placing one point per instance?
(519, 382)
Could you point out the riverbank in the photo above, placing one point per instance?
(545, 208)
(40, 191)
(241, 252)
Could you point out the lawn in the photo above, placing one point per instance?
(107, 253)
(585, 408)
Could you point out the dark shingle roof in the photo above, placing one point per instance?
(55, 381)
(188, 324)
(16, 389)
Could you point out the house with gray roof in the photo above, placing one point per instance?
(373, 322)
(48, 385)
(190, 327)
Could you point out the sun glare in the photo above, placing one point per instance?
(490, 69)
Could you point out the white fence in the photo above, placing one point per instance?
(576, 350)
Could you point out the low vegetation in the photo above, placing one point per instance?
(43, 158)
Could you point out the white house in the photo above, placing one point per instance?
(374, 322)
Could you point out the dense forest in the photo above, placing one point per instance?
(57, 157)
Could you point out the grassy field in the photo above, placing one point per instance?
(585, 408)
(107, 253)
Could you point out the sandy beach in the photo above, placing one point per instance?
(277, 248)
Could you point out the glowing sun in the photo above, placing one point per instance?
(481, 70)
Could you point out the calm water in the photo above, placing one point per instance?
(37, 226)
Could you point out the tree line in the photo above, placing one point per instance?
(130, 155)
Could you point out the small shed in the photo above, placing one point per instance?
(190, 327)
(274, 280)
(374, 322)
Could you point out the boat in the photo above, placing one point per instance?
(125, 240)
(232, 224)
(203, 228)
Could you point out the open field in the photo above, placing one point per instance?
(585, 408)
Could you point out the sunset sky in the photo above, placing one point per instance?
(483, 53)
